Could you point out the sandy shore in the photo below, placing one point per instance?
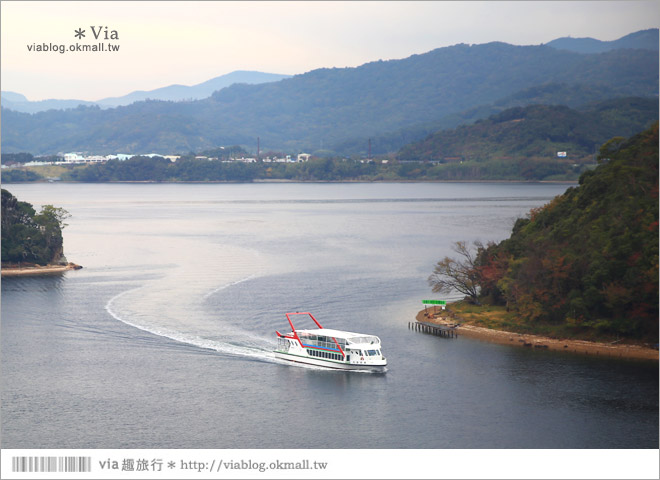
(539, 342)
(38, 270)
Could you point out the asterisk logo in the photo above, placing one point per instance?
(171, 464)
(80, 33)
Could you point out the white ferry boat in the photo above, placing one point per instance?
(330, 348)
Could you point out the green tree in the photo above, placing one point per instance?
(28, 236)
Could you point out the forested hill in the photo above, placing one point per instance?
(588, 260)
(31, 237)
(537, 131)
(326, 107)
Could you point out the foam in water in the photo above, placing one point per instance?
(260, 353)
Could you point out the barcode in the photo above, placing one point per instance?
(51, 464)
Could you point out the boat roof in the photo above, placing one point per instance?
(329, 332)
(355, 338)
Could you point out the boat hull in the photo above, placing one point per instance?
(319, 362)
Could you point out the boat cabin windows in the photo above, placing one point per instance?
(326, 355)
(283, 344)
(322, 341)
(368, 353)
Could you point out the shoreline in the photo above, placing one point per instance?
(581, 347)
(277, 180)
(37, 270)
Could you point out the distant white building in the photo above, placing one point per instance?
(303, 157)
(276, 159)
(36, 164)
(73, 157)
(119, 156)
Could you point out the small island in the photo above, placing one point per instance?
(578, 274)
(32, 242)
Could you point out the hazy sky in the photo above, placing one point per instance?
(162, 43)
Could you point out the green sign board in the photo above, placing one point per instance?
(434, 302)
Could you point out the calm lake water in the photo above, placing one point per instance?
(164, 339)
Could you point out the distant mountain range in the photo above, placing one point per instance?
(644, 39)
(574, 96)
(19, 103)
(337, 110)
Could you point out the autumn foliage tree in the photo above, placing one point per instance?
(459, 275)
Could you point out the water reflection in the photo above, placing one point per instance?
(35, 284)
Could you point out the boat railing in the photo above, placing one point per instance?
(320, 343)
(364, 340)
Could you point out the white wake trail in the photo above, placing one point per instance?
(174, 305)
(256, 352)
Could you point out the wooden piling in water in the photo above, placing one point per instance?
(433, 329)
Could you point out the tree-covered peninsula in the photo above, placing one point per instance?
(29, 237)
(586, 264)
